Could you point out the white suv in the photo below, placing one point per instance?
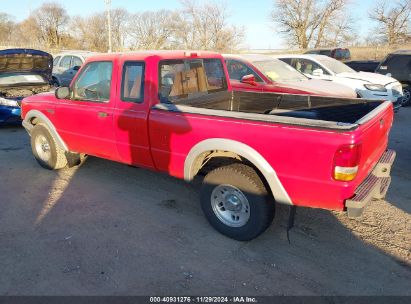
(66, 65)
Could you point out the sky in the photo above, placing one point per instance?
(253, 15)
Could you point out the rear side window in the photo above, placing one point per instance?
(342, 54)
(65, 62)
(182, 79)
(94, 82)
(76, 62)
(132, 85)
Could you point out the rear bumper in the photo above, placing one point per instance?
(375, 186)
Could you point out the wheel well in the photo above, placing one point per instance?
(210, 160)
(34, 121)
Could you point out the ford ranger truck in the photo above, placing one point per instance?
(175, 112)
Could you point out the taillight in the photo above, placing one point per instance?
(346, 160)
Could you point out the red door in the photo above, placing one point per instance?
(131, 114)
(85, 121)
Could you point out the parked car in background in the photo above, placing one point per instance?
(367, 85)
(66, 65)
(176, 112)
(262, 73)
(398, 65)
(363, 65)
(342, 54)
(23, 72)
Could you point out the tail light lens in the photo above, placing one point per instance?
(346, 162)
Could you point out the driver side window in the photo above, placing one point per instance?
(237, 70)
(306, 66)
(94, 82)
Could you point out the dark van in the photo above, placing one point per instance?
(341, 54)
(398, 66)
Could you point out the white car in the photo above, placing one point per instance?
(367, 85)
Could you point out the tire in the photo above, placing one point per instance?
(55, 83)
(406, 101)
(45, 149)
(236, 202)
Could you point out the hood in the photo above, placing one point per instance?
(26, 61)
(322, 88)
(367, 77)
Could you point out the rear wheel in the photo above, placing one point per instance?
(55, 83)
(236, 202)
(406, 100)
(45, 149)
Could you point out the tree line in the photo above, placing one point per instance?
(194, 26)
(319, 23)
(303, 23)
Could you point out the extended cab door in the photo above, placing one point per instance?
(85, 121)
(131, 113)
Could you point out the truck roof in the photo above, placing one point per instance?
(163, 54)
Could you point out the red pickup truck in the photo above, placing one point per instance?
(175, 112)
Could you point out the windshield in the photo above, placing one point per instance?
(335, 66)
(279, 71)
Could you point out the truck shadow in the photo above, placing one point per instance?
(127, 231)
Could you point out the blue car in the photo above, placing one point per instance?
(9, 111)
(23, 72)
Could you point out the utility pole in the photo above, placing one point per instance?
(108, 5)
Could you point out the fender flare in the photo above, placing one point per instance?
(37, 114)
(280, 194)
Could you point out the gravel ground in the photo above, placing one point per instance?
(109, 229)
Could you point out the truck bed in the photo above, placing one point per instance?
(316, 111)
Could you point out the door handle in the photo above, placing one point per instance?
(102, 114)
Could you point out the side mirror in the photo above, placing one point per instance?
(249, 79)
(318, 72)
(62, 93)
(76, 68)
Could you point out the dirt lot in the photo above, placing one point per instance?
(109, 229)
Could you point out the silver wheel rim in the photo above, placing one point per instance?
(230, 205)
(42, 148)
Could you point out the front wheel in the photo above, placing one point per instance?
(55, 83)
(406, 100)
(45, 149)
(236, 202)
